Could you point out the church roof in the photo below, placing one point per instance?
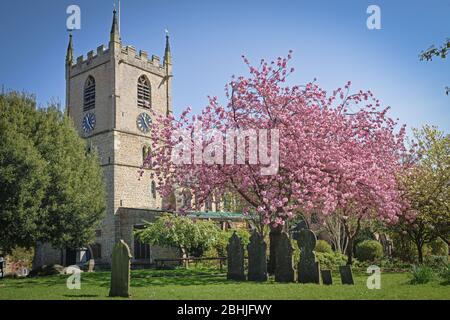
(216, 215)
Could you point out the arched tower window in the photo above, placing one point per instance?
(144, 93)
(153, 189)
(89, 94)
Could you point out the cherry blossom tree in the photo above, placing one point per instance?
(332, 153)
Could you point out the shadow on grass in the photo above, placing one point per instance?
(179, 277)
(139, 278)
(81, 295)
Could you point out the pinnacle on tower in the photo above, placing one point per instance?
(167, 54)
(115, 33)
(69, 55)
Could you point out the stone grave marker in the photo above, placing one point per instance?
(346, 275)
(327, 278)
(120, 271)
(284, 271)
(308, 267)
(235, 260)
(257, 260)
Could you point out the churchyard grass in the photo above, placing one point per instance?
(212, 284)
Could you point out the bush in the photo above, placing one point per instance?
(220, 246)
(369, 250)
(438, 248)
(445, 274)
(330, 261)
(436, 262)
(323, 247)
(403, 248)
(421, 274)
(20, 258)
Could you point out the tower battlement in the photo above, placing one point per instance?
(92, 60)
(129, 55)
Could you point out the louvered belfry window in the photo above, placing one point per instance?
(89, 94)
(144, 93)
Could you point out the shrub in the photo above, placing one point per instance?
(330, 261)
(438, 248)
(369, 250)
(421, 274)
(403, 248)
(192, 237)
(20, 258)
(323, 246)
(445, 274)
(436, 262)
(220, 246)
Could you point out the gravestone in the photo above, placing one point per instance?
(327, 278)
(257, 261)
(308, 267)
(235, 251)
(346, 274)
(284, 271)
(301, 225)
(120, 270)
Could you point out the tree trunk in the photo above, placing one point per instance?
(419, 252)
(185, 256)
(350, 251)
(351, 239)
(274, 237)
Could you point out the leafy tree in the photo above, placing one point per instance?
(432, 52)
(427, 189)
(51, 190)
(191, 237)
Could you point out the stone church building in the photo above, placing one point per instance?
(109, 96)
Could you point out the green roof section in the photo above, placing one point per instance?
(216, 215)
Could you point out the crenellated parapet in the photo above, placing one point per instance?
(141, 60)
(92, 60)
(127, 55)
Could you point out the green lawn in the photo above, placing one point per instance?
(210, 284)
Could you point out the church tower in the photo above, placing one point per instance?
(110, 95)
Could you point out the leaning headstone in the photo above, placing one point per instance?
(308, 267)
(235, 251)
(346, 274)
(120, 271)
(327, 279)
(284, 271)
(257, 262)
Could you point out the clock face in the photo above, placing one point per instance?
(89, 122)
(144, 122)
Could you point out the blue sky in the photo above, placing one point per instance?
(330, 41)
